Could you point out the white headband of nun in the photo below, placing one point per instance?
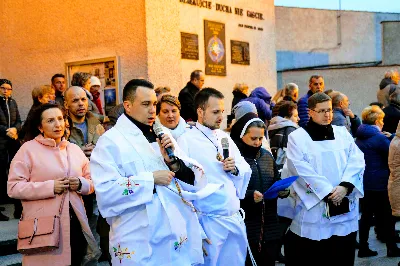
(247, 124)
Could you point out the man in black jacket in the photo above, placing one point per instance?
(392, 113)
(186, 95)
(10, 125)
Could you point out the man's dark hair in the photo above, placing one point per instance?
(58, 75)
(195, 74)
(317, 98)
(130, 88)
(377, 103)
(201, 98)
(314, 77)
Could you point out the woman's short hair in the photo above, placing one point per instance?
(80, 79)
(32, 129)
(170, 99)
(40, 91)
(371, 114)
(284, 109)
(160, 90)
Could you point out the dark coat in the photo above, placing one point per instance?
(262, 100)
(186, 98)
(9, 117)
(392, 117)
(302, 108)
(339, 119)
(264, 174)
(237, 97)
(375, 147)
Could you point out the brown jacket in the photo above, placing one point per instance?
(95, 129)
(394, 178)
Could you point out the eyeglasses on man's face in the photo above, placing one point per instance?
(323, 111)
(6, 89)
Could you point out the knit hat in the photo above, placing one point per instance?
(242, 108)
(5, 81)
(94, 81)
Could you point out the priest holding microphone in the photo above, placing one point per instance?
(140, 177)
(219, 213)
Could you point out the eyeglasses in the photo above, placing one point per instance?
(323, 111)
(7, 89)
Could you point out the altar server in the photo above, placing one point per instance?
(330, 168)
(143, 192)
(218, 213)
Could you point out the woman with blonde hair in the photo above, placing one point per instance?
(375, 146)
(240, 92)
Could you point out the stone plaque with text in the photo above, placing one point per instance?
(240, 53)
(215, 53)
(189, 46)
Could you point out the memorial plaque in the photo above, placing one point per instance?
(215, 53)
(240, 53)
(189, 46)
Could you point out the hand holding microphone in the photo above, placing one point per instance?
(164, 141)
(228, 162)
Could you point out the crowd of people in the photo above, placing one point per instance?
(173, 188)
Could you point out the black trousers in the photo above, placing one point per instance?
(268, 254)
(376, 204)
(334, 251)
(77, 239)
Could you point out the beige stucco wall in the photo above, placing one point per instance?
(359, 84)
(38, 38)
(261, 71)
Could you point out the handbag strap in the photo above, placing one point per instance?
(68, 173)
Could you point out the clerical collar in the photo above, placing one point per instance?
(146, 129)
(319, 132)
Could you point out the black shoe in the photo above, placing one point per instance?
(3, 217)
(281, 258)
(393, 252)
(366, 252)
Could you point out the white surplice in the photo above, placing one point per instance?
(219, 212)
(322, 165)
(146, 228)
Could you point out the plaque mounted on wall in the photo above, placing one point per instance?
(215, 53)
(240, 53)
(189, 46)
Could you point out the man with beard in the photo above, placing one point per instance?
(186, 95)
(219, 213)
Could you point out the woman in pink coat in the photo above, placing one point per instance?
(39, 178)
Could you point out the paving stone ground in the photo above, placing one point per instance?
(8, 230)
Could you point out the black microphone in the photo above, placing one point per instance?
(159, 132)
(225, 147)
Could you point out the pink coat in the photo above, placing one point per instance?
(31, 179)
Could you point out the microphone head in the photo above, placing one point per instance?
(225, 143)
(157, 128)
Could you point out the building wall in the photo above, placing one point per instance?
(308, 37)
(262, 69)
(39, 37)
(359, 84)
(391, 36)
